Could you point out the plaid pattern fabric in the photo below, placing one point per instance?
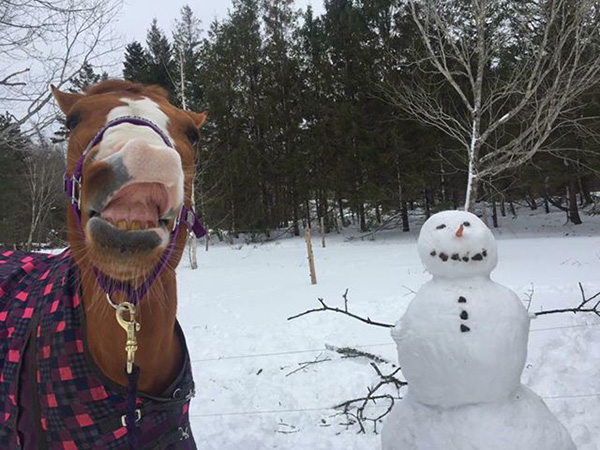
(79, 408)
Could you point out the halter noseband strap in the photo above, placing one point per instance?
(186, 216)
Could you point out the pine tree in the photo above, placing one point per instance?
(136, 66)
(11, 189)
(162, 70)
(186, 50)
(232, 66)
(84, 78)
(287, 162)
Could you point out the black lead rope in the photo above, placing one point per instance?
(130, 417)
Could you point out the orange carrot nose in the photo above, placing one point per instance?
(459, 232)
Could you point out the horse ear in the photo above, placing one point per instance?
(198, 118)
(65, 100)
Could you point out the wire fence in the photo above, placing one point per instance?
(331, 408)
(386, 344)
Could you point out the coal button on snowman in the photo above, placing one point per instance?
(462, 345)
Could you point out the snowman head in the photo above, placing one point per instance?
(457, 244)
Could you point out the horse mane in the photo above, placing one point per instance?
(107, 86)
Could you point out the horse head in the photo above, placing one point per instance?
(135, 154)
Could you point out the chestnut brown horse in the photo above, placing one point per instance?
(130, 169)
(132, 185)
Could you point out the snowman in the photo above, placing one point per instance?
(462, 345)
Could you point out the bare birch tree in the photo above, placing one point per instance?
(44, 42)
(43, 165)
(499, 77)
(192, 241)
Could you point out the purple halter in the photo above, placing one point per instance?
(186, 216)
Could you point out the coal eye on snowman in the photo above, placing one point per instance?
(467, 224)
(440, 227)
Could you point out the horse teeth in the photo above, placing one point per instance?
(136, 225)
(122, 224)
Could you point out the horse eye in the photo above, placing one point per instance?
(192, 135)
(467, 224)
(72, 121)
(440, 227)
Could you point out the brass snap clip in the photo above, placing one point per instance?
(131, 326)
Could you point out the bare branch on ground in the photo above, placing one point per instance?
(326, 307)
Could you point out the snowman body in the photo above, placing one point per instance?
(462, 342)
(462, 346)
(520, 421)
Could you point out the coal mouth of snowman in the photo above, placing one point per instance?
(460, 258)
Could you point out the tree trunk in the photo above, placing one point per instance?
(472, 192)
(296, 216)
(427, 204)
(585, 192)
(361, 212)
(455, 202)
(573, 213)
(405, 223)
(341, 208)
(307, 207)
(336, 222)
(326, 217)
(484, 214)
(531, 200)
(494, 213)
(442, 181)
(546, 205)
(502, 206)
(403, 204)
(33, 225)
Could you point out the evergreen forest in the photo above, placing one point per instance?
(365, 113)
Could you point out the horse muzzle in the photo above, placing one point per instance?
(132, 197)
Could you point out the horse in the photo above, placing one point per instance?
(91, 354)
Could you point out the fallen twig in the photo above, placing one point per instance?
(583, 307)
(350, 352)
(326, 307)
(306, 364)
(354, 409)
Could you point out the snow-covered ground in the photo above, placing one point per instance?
(234, 311)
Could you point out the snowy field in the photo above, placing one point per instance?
(234, 311)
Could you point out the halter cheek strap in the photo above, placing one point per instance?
(186, 216)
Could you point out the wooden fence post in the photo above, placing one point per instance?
(311, 256)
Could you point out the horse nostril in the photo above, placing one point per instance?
(92, 213)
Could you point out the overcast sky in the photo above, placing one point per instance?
(136, 15)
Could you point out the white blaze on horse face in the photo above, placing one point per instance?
(141, 150)
(457, 244)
